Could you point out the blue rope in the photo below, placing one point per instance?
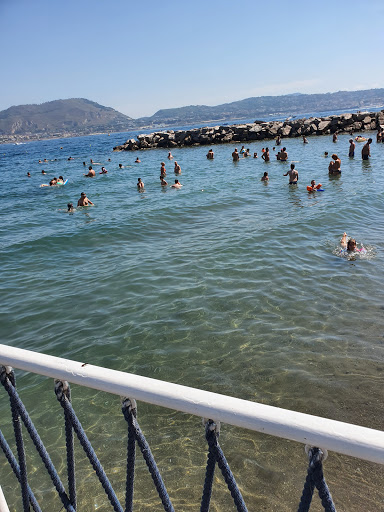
(130, 406)
(38, 444)
(315, 478)
(211, 434)
(19, 441)
(63, 387)
(149, 459)
(208, 483)
(16, 469)
(89, 451)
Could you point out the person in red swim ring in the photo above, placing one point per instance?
(313, 187)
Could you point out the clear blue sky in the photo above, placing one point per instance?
(139, 57)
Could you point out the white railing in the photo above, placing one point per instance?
(353, 440)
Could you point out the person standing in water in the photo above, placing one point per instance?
(293, 175)
(366, 151)
(91, 173)
(335, 165)
(265, 155)
(352, 146)
(140, 184)
(235, 155)
(84, 201)
(210, 154)
(177, 168)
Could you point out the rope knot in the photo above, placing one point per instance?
(129, 404)
(62, 389)
(315, 455)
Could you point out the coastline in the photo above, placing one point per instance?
(259, 130)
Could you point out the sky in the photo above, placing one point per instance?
(140, 57)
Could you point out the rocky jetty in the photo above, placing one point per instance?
(259, 130)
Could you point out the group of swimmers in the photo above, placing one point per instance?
(163, 173)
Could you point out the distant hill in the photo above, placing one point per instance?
(262, 106)
(76, 116)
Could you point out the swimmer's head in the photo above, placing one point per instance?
(325, 153)
(334, 156)
(292, 166)
(83, 194)
(313, 183)
(350, 140)
(351, 244)
(70, 206)
(369, 141)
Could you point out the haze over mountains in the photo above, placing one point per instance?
(78, 116)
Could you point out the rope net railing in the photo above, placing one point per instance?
(318, 434)
(21, 422)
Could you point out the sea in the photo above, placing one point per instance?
(229, 284)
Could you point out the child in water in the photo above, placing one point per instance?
(350, 245)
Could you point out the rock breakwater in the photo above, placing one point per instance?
(259, 130)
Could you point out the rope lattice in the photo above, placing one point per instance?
(315, 478)
(18, 411)
(135, 434)
(215, 454)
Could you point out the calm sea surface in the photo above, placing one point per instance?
(229, 284)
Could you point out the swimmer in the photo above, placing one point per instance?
(242, 150)
(265, 155)
(40, 162)
(170, 156)
(293, 175)
(177, 184)
(60, 181)
(334, 166)
(313, 187)
(91, 173)
(43, 172)
(235, 156)
(326, 154)
(28, 174)
(103, 171)
(210, 154)
(84, 201)
(137, 161)
(140, 184)
(350, 244)
(177, 168)
(84, 164)
(352, 146)
(278, 140)
(70, 158)
(121, 166)
(163, 171)
(334, 138)
(283, 155)
(53, 182)
(366, 151)
(255, 155)
(246, 153)
(109, 159)
(265, 177)
(70, 208)
(305, 140)
(163, 183)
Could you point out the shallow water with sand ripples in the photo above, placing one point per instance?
(230, 285)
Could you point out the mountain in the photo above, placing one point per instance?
(262, 106)
(76, 116)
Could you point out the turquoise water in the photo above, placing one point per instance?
(230, 285)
